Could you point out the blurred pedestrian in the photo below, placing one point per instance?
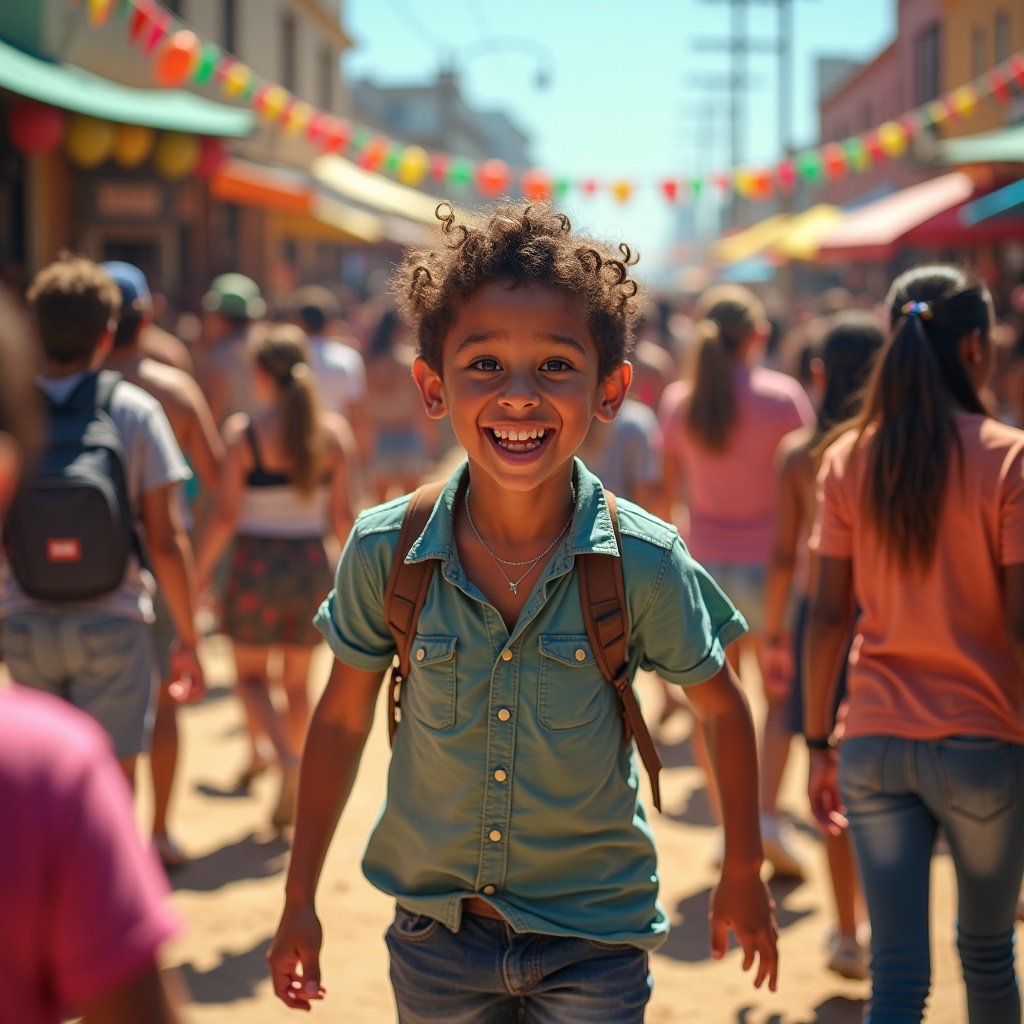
(921, 529)
(286, 486)
(722, 426)
(851, 343)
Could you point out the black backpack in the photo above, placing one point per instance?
(69, 534)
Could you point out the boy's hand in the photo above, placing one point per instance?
(294, 958)
(742, 902)
(777, 667)
(823, 792)
(189, 683)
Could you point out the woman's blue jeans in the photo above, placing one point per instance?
(898, 794)
(486, 973)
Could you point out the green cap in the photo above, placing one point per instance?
(236, 296)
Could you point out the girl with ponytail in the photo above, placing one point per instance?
(721, 427)
(287, 486)
(920, 529)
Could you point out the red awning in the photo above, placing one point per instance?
(877, 230)
(268, 188)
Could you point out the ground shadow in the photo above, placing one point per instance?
(675, 754)
(688, 941)
(837, 1010)
(235, 977)
(695, 811)
(252, 857)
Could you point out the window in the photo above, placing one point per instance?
(229, 26)
(288, 62)
(1001, 36)
(328, 68)
(927, 49)
(979, 56)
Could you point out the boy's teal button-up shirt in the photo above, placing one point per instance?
(509, 777)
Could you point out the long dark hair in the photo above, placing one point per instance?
(729, 314)
(917, 384)
(852, 341)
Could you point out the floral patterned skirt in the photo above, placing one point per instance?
(274, 588)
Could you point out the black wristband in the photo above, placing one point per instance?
(820, 742)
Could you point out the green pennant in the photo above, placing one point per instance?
(460, 172)
(209, 58)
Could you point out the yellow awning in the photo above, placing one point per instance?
(745, 244)
(803, 234)
(373, 190)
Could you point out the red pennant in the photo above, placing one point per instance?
(874, 148)
(140, 20)
(1017, 69)
(786, 175)
(670, 189)
(999, 86)
(337, 136)
(722, 181)
(161, 25)
(439, 167)
(835, 162)
(588, 186)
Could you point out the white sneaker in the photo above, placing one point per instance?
(779, 849)
(847, 957)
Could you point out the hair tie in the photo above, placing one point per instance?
(919, 309)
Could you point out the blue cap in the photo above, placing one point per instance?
(132, 282)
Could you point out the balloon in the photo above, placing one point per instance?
(374, 153)
(413, 165)
(298, 116)
(237, 80)
(835, 161)
(176, 59)
(176, 155)
(336, 136)
(622, 190)
(35, 127)
(212, 155)
(809, 165)
(133, 144)
(892, 137)
(762, 185)
(743, 181)
(493, 177)
(964, 100)
(89, 141)
(271, 101)
(536, 185)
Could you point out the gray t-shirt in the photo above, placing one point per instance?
(627, 451)
(340, 373)
(152, 459)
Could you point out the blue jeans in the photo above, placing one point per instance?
(486, 973)
(898, 794)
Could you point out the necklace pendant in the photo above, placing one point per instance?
(513, 586)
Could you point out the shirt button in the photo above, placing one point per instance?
(421, 654)
(488, 890)
(581, 655)
(506, 655)
(504, 715)
(500, 775)
(494, 835)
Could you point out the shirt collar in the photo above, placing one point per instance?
(592, 529)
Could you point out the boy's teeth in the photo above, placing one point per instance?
(519, 435)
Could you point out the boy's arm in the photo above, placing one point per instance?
(171, 554)
(202, 442)
(334, 745)
(740, 901)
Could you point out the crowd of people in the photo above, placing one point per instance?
(847, 477)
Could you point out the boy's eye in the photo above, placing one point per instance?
(555, 364)
(485, 363)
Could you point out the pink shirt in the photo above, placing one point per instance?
(732, 494)
(82, 906)
(930, 657)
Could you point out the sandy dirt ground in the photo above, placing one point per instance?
(230, 896)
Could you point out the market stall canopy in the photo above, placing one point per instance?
(267, 188)
(1008, 200)
(802, 235)
(1005, 145)
(72, 88)
(373, 190)
(749, 242)
(871, 232)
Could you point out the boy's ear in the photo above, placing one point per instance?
(612, 391)
(431, 389)
(103, 349)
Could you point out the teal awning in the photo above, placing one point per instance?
(1009, 199)
(1005, 145)
(73, 88)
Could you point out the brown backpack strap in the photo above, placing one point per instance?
(603, 597)
(406, 591)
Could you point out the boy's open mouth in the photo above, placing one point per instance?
(519, 442)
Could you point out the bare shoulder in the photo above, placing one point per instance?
(169, 384)
(796, 449)
(338, 433)
(234, 429)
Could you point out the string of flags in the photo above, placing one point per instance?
(180, 57)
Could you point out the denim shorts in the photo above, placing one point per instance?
(100, 663)
(743, 584)
(487, 973)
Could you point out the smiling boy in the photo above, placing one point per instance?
(513, 838)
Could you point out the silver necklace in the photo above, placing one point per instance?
(531, 563)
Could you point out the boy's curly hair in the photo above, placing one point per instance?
(523, 243)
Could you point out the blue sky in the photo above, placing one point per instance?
(622, 100)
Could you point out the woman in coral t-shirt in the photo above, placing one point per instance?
(921, 528)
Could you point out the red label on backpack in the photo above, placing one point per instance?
(64, 549)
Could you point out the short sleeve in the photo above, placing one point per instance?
(163, 462)
(644, 450)
(683, 632)
(351, 617)
(831, 535)
(110, 901)
(1011, 512)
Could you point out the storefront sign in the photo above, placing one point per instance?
(129, 200)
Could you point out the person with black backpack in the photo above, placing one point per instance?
(100, 508)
